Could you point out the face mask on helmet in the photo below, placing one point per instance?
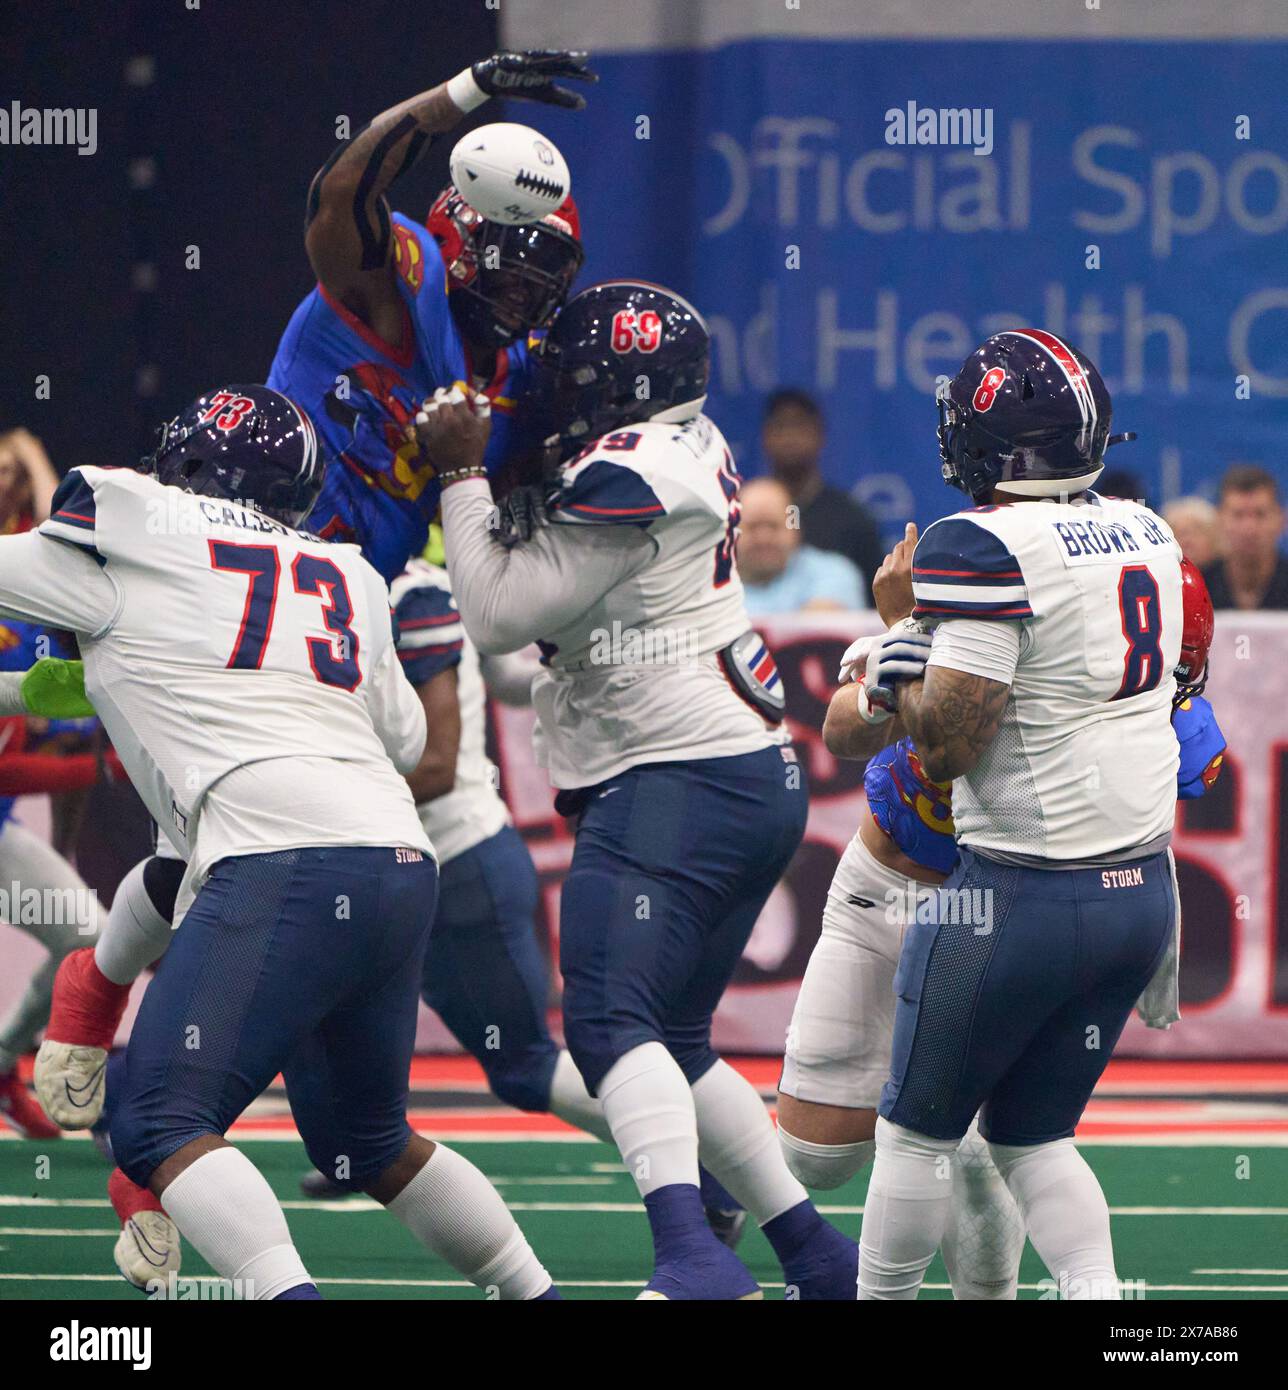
(504, 281)
(521, 277)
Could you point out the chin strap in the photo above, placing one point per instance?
(1125, 438)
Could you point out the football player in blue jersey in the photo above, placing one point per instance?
(400, 310)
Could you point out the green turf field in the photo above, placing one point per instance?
(1208, 1222)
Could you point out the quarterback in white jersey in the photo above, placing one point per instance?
(659, 713)
(1045, 695)
(247, 675)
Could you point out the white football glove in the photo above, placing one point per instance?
(852, 663)
(900, 655)
(453, 395)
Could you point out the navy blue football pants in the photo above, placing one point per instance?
(672, 866)
(486, 975)
(306, 962)
(1013, 994)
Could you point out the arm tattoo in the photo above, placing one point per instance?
(377, 156)
(952, 717)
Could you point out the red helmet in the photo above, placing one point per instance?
(1197, 623)
(496, 300)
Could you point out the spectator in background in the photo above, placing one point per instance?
(27, 481)
(779, 572)
(1252, 572)
(1197, 528)
(792, 437)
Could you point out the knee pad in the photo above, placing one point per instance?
(824, 1166)
(161, 880)
(1007, 1157)
(904, 1143)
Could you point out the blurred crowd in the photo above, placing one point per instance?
(807, 545)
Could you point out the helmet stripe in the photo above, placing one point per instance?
(310, 441)
(1063, 356)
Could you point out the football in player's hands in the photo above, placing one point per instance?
(531, 74)
(892, 583)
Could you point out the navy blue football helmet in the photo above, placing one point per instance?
(247, 444)
(1027, 412)
(611, 342)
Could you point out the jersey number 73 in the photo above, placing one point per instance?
(332, 662)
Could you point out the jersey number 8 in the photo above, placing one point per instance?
(1142, 622)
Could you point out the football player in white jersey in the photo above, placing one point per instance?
(658, 718)
(247, 677)
(1047, 700)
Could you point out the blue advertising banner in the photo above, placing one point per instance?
(855, 215)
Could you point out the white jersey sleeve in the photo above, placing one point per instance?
(62, 585)
(509, 596)
(1083, 766)
(396, 711)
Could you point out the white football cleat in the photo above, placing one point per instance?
(148, 1251)
(69, 1081)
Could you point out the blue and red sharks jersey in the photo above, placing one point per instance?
(917, 813)
(363, 394)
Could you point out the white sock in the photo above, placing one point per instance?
(572, 1102)
(1066, 1215)
(135, 933)
(825, 1166)
(984, 1237)
(224, 1206)
(738, 1145)
(905, 1212)
(649, 1108)
(452, 1208)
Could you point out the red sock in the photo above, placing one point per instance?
(87, 1006)
(128, 1198)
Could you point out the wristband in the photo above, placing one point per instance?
(465, 92)
(868, 712)
(459, 475)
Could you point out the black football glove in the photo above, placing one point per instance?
(522, 511)
(531, 75)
